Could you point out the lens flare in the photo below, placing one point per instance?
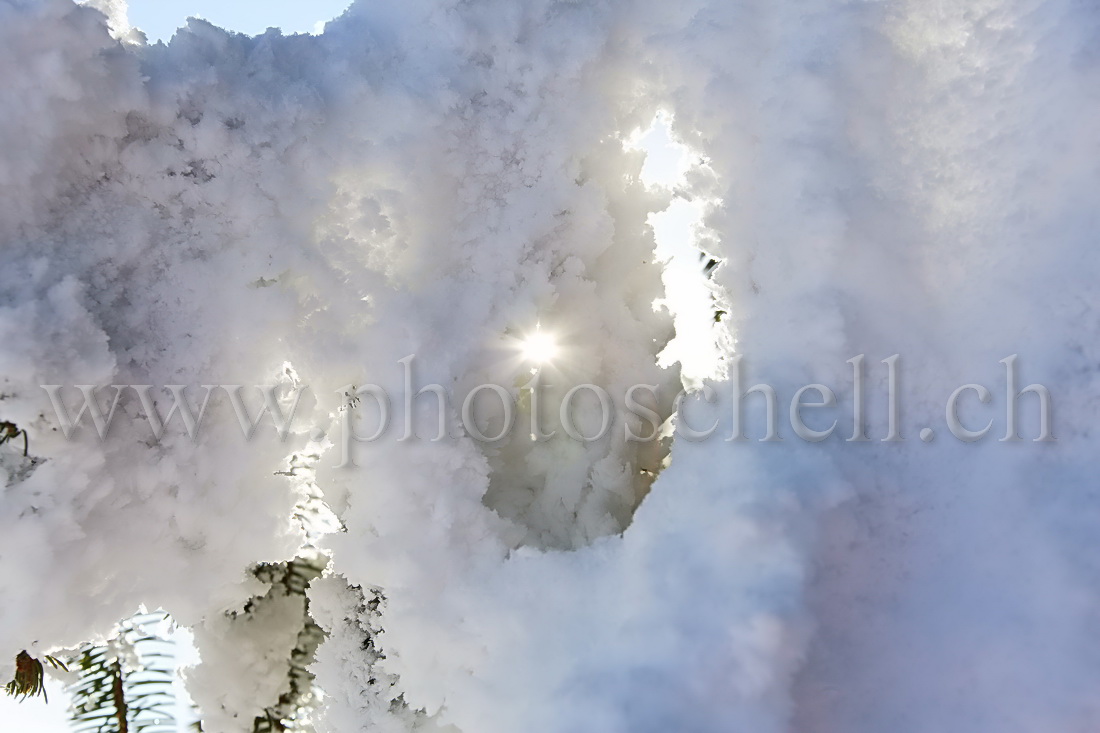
(539, 347)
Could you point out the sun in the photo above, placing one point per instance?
(539, 347)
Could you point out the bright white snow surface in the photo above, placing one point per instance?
(436, 178)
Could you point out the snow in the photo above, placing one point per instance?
(445, 179)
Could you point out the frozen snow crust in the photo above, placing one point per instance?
(433, 178)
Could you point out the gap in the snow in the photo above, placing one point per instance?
(159, 19)
(695, 302)
(163, 650)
